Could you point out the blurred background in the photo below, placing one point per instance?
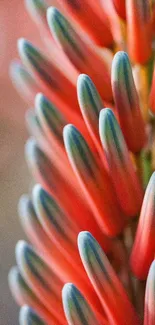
(14, 175)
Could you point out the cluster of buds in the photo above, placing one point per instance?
(90, 218)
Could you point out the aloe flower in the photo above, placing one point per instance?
(90, 219)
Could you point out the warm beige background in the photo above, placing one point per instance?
(14, 177)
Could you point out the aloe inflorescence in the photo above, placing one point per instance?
(90, 219)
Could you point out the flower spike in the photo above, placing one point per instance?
(107, 286)
(90, 162)
(125, 180)
(90, 104)
(28, 316)
(127, 102)
(77, 310)
(83, 57)
(95, 183)
(149, 312)
(143, 250)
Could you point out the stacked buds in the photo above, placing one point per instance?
(90, 219)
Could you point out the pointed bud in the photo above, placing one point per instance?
(50, 171)
(95, 183)
(127, 102)
(105, 282)
(125, 180)
(143, 250)
(19, 289)
(56, 222)
(42, 280)
(88, 16)
(51, 121)
(90, 104)
(39, 164)
(77, 310)
(34, 230)
(35, 130)
(37, 9)
(28, 316)
(24, 295)
(49, 78)
(83, 57)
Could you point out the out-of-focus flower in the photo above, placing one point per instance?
(92, 151)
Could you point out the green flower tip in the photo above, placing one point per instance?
(12, 276)
(90, 251)
(42, 105)
(28, 316)
(87, 92)
(49, 115)
(75, 144)
(40, 100)
(61, 29)
(27, 259)
(28, 52)
(121, 72)
(120, 66)
(54, 19)
(84, 241)
(22, 250)
(107, 121)
(36, 5)
(121, 56)
(31, 149)
(16, 68)
(45, 206)
(69, 132)
(73, 303)
(22, 204)
(40, 198)
(68, 293)
(82, 81)
(23, 46)
(111, 134)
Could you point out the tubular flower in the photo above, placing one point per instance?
(90, 220)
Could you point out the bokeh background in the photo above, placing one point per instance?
(14, 175)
